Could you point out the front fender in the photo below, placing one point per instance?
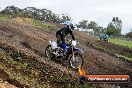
(78, 50)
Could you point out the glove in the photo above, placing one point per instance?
(74, 42)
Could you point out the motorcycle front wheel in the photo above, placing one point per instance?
(76, 61)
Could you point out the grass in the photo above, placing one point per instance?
(128, 58)
(3, 18)
(121, 42)
(116, 53)
(34, 23)
(39, 24)
(42, 25)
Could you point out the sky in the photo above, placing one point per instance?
(100, 11)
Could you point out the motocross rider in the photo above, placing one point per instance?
(63, 32)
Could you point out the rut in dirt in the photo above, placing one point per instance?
(31, 42)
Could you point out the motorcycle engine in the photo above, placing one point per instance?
(62, 52)
(59, 52)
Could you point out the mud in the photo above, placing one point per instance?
(28, 44)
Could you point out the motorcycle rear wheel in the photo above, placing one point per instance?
(49, 52)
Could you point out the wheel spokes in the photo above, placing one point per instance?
(77, 62)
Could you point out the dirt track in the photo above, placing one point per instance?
(116, 48)
(6, 85)
(32, 42)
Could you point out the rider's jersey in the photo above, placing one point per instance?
(64, 32)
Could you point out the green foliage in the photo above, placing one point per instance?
(92, 25)
(37, 14)
(111, 30)
(129, 34)
(117, 23)
(12, 10)
(41, 14)
(65, 17)
(83, 24)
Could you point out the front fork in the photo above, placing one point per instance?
(73, 53)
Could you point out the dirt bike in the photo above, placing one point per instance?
(105, 39)
(65, 52)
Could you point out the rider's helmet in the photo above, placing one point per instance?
(105, 36)
(69, 24)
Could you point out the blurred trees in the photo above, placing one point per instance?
(93, 25)
(114, 27)
(85, 24)
(65, 17)
(111, 30)
(117, 23)
(129, 34)
(12, 10)
(38, 14)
